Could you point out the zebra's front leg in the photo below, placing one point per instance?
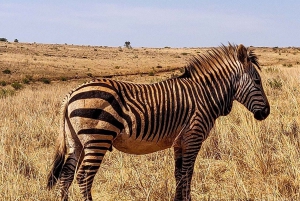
(178, 173)
(185, 157)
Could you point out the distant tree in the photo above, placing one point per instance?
(3, 39)
(16, 40)
(127, 44)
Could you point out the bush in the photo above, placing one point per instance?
(16, 85)
(16, 40)
(25, 80)
(45, 80)
(275, 83)
(63, 79)
(6, 92)
(6, 71)
(287, 65)
(3, 39)
(3, 83)
(151, 73)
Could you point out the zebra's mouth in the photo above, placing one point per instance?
(262, 114)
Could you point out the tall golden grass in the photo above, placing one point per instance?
(243, 159)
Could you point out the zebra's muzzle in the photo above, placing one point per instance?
(263, 113)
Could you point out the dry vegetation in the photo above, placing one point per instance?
(243, 159)
(53, 61)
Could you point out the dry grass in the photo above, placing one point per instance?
(243, 159)
(53, 61)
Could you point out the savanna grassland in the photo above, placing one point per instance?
(243, 159)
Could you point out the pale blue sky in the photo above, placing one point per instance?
(156, 23)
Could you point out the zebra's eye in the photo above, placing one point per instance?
(257, 81)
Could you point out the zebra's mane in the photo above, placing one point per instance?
(207, 61)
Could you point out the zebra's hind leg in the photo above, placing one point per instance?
(94, 152)
(67, 175)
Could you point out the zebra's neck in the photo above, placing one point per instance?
(215, 86)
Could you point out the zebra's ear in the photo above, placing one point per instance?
(242, 54)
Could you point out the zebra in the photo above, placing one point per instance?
(144, 118)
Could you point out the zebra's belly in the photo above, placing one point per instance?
(130, 145)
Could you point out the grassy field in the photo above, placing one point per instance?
(243, 159)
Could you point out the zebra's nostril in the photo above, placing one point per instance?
(262, 114)
(266, 111)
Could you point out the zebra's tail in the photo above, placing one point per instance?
(59, 157)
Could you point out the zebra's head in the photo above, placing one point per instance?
(249, 89)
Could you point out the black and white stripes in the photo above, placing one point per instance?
(144, 118)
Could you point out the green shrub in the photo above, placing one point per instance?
(6, 92)
(16, 85)
(6, 71)
(3, 83)
(25, 80)
(151, 73)
(63, 79)
(275, 83)
(45, 80)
